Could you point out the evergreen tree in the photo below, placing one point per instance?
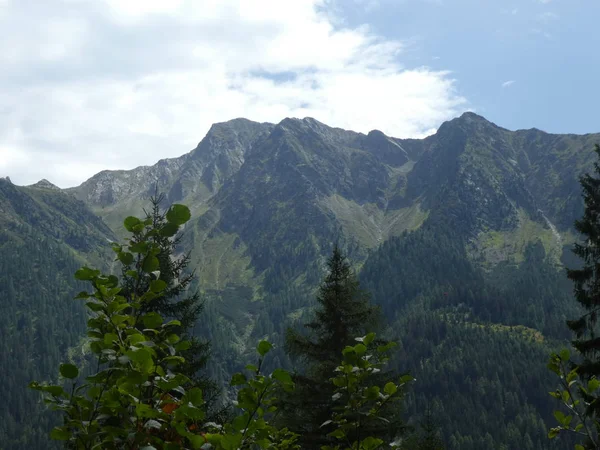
(430, 437)
(176, 302)
(343, 312)
(579, 383)
(586, 280)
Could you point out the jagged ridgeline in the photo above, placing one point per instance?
(460, 237)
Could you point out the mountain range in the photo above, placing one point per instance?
(461, 237)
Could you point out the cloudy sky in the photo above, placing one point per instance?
(87, 85)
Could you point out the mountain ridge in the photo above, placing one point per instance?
(459, 236)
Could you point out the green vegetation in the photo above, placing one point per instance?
(138, 397)
(343, 311)
(460, 238)
(579, 379)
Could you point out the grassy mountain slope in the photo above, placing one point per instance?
(460, 237)
(45, 235)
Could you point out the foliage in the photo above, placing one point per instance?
(579, 378)
(343, 311)
(476, 341)
(136, 396)
(360, 403)
(256, 400)
(177, 300)
(573, 394)
(587, 278)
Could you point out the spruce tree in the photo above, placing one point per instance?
(343, 313)
(176, 301)
(579, 378)
(430, 434)
(586, 279)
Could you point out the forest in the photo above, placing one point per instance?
(419, 349)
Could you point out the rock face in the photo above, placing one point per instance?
(294, 187)
(45, 184)
(269, 200)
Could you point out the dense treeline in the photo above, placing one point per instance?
(40, 325)
(476, 342)
(144, 392)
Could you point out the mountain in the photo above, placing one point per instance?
(460, 237)
(45, 235)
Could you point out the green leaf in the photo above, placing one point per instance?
(237, 379)
(593, 385)
(52, 390)
(553, 432)
(60, 434)
(131, 222)
(183, 346)
(196, 441)
(158, 286)
(150, 264)
(169, 230)
(579, 447)
(339, 434)
(264, 347)
(178, 214)
(560, 417)
(82, 295)
(372, 393)
(109, 338)
(69, 371)
(145, 411)
(194, 396)
(95, 306)
(86, 274)
(126, 258)
(282, 375)
(390, 388)
(360, 349)
(152, 320)
(371, 443)
(564, 355)
(368, 338)
(139, 247)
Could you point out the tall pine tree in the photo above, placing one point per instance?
(343, 313)
(586, 281)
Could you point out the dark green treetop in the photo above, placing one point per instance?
(343, 312)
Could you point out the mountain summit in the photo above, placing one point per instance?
(460, 237)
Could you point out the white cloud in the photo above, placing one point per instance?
(508, 83)
(116, 84)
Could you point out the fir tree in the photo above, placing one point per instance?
(343, 312)
(586, 279)
(430, 434)
(176, 302)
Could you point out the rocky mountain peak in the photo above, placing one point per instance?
(45, 184)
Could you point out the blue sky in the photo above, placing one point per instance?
(547, 53)
(88, 85)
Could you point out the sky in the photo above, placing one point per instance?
(88, 85)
